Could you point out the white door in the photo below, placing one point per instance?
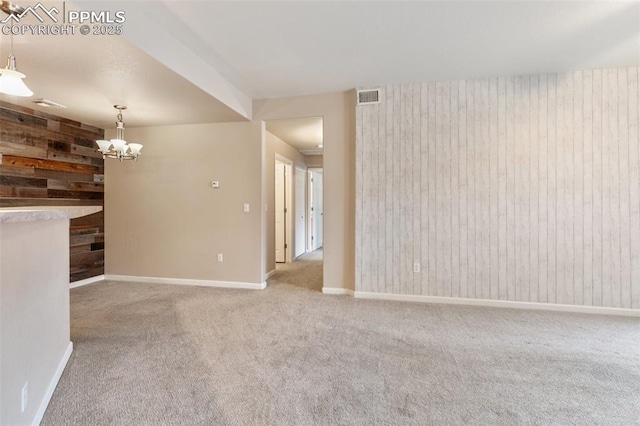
(301, 234)
(316, 209)
(280, 212)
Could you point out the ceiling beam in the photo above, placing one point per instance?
(150, 36)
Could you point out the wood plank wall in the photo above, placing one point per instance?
(49, 160)
(521, 188)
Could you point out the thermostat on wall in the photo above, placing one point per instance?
(215, 184)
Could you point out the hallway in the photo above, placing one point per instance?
(305, 272)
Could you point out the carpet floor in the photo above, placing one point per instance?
(305, 272)
(148, 354)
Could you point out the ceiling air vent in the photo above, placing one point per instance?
(48, 104)
(370, 96)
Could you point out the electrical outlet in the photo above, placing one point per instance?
(246, 207)
(416, 267)
(220, 257)
(25, 397)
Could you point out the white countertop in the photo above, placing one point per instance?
(36, 213)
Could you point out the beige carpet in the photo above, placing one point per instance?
(175, 355)
(305, 272)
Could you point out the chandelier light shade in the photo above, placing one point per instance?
(118, 148)
(11, 80)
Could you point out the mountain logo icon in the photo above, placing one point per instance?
(39, 11)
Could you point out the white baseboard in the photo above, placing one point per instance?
(337, 290)
(499, 303)
(86, 281)
(269, 274)
(52, 386)
(182, 281)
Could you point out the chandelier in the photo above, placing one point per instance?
(118, 148)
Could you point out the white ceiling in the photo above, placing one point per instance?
(304, 134)
(90, 74)
(276, 49)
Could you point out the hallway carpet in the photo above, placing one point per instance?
(305, 272)
(148, 354)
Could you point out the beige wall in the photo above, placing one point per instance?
(164, 220)
(275, 145)
(338, 112)
(34, 314)
(313, 160)
(519, 188)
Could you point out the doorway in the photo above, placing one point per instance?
(282, 210)
(315, 225)
(300, 212)
(293, 147)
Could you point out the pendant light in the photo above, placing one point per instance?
(118, 148)
(10, 78)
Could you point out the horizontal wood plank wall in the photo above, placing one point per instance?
(522, 188)
(49, 160)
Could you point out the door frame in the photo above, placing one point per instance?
(299, 170)
(310, 216)
(288, 218)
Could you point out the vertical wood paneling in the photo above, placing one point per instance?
(407, 189)
(366, 199)
(469, 289)
(424, 188)
(519, 188)
(445, 153)
(634, 186)
(397, 173)
(382, 196)
(511, 190)
(417, 165)
(485, 248)
(494, 277)
(479, 213)
(360, 125)
(613, 188)
(623, 173)
(502, 188)
(464, 187)
(587, 149)
(578, 190)
(534, 195)
(570, 190)
(389, 190)
(597, 193)
(431, 141)
(521, 185)
(440, 204)
(552, 188)
(374, 264)
(543, 200)
(563, 195)
(455, 192)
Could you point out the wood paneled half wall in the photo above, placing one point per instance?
(50, 160)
